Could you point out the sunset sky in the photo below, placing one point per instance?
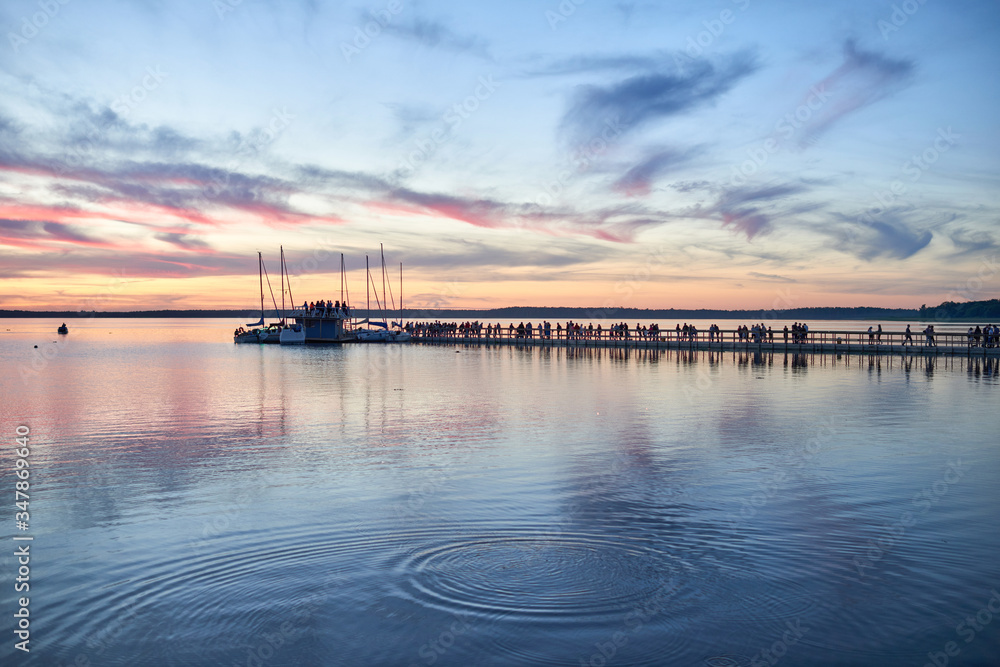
(730, 154)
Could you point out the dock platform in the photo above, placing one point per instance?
(832, 342)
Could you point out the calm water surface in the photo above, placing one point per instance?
(194, 502)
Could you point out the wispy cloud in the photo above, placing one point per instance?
(772, 277)
(641, 99)
(864, 78)
(46, 235)
(969, 242)
(437, 35)
(740, 210)
(589, 64)
(658, 161)
(890, 235)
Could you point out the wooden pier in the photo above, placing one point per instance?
(832, 342)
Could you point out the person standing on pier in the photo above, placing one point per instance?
(929, 332)
(878, 335)
(909, 336)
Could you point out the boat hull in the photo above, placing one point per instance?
(326, 326)
(247, 337)
(382, 336)
(293, 335)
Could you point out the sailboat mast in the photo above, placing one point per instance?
(400, 295)
(260, 276)
(385, 304)
(342, 302)
(282, 282)
(368, 292)
(291, 297)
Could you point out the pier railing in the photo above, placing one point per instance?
(725, 339)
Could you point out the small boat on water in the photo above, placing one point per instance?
(63, 329)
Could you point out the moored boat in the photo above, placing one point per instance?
(292, 334)
(383, 333)
(256, 335)
(63, 329)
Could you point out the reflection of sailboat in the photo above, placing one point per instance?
(291, 334)
(383, 333)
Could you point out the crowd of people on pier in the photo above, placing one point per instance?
(326, 308)
(988, 336)
(797, 333)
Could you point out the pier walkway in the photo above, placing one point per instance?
(834, 342)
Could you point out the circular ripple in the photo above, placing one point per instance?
(543, 576)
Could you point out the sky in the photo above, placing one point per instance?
(729, 154)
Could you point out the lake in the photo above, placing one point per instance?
(196, 502)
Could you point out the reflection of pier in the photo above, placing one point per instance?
(833, 342)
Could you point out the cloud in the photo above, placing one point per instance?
(650, 96)
(889, 234)
(968, 242)
(749, 221)
(638, 179)
(124, 166)
(183, 241)
(587, 64)
(618, 224)
(772, 277)
(437, 35)
(864, 78)
(738, 212)
(45, 235)
(691, 186)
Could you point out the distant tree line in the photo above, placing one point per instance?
(949, 310)
(968, 310)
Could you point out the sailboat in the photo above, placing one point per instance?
(384, 334)
(263, 333)
(253, 335)
(291, 334)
